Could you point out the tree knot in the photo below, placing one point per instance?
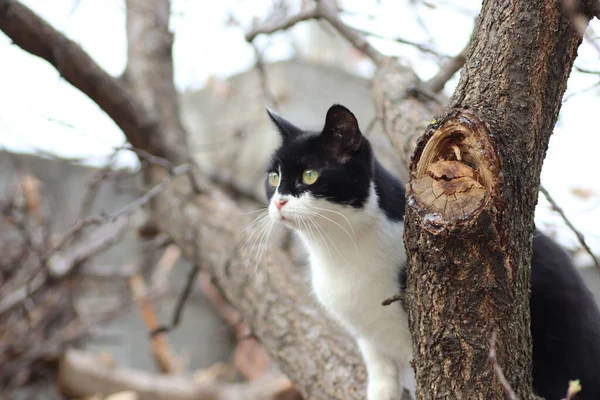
(453, 171)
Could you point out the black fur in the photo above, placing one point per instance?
(565, 321)
(565, 325)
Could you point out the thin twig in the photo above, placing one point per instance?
(163, 355)
(181, 302)
(503, 381)
(129, 208)
(152, 159)
(419, 46)
(587, 71)
(92, 190)
(577, 233)
(259, 65)
(393, 299)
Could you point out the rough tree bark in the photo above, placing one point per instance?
(474, 180)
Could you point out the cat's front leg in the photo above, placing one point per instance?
(383, 374)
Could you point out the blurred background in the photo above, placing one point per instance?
(62, 159)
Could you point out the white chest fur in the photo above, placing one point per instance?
(355, 269)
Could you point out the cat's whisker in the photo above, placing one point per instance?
(262, 209)
(257, 225)
(257, 235)
(352, 238)
(256, 221)
(320, 234)
(326, 237)
(341, 215)
(265, 246)
(261, 243)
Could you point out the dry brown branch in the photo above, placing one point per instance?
(447, 71)
(250, 358)
(31, 189)
(572, 227)
(165, 265)
(181, 301)
(94, 184)
(83, 374)
(62, 262)
(127, 210)
(161, 351)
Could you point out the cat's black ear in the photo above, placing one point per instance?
(341, 132)
(285, 128)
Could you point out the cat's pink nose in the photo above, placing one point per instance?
(280, 203)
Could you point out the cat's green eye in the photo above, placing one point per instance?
(310, 176)
(273, 179)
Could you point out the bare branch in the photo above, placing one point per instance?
(61, 263)
(572, 227)
(161, 351)
(326, 10)
(309, 13)
(447, 71)
(419, 46)
(128, 209)
(259, 65)
(181, 301)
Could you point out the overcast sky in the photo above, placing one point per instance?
(41, 111)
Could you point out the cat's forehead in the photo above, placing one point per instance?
(301, 150)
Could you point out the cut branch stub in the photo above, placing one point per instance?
(454, 170)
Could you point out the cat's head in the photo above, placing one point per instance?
(311, 173)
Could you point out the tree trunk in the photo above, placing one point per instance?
(474, 181)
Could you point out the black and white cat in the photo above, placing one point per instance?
(348, 211)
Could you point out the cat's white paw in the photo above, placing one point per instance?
(382, 389)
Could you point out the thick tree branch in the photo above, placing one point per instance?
(149, 73)
(34, 35)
